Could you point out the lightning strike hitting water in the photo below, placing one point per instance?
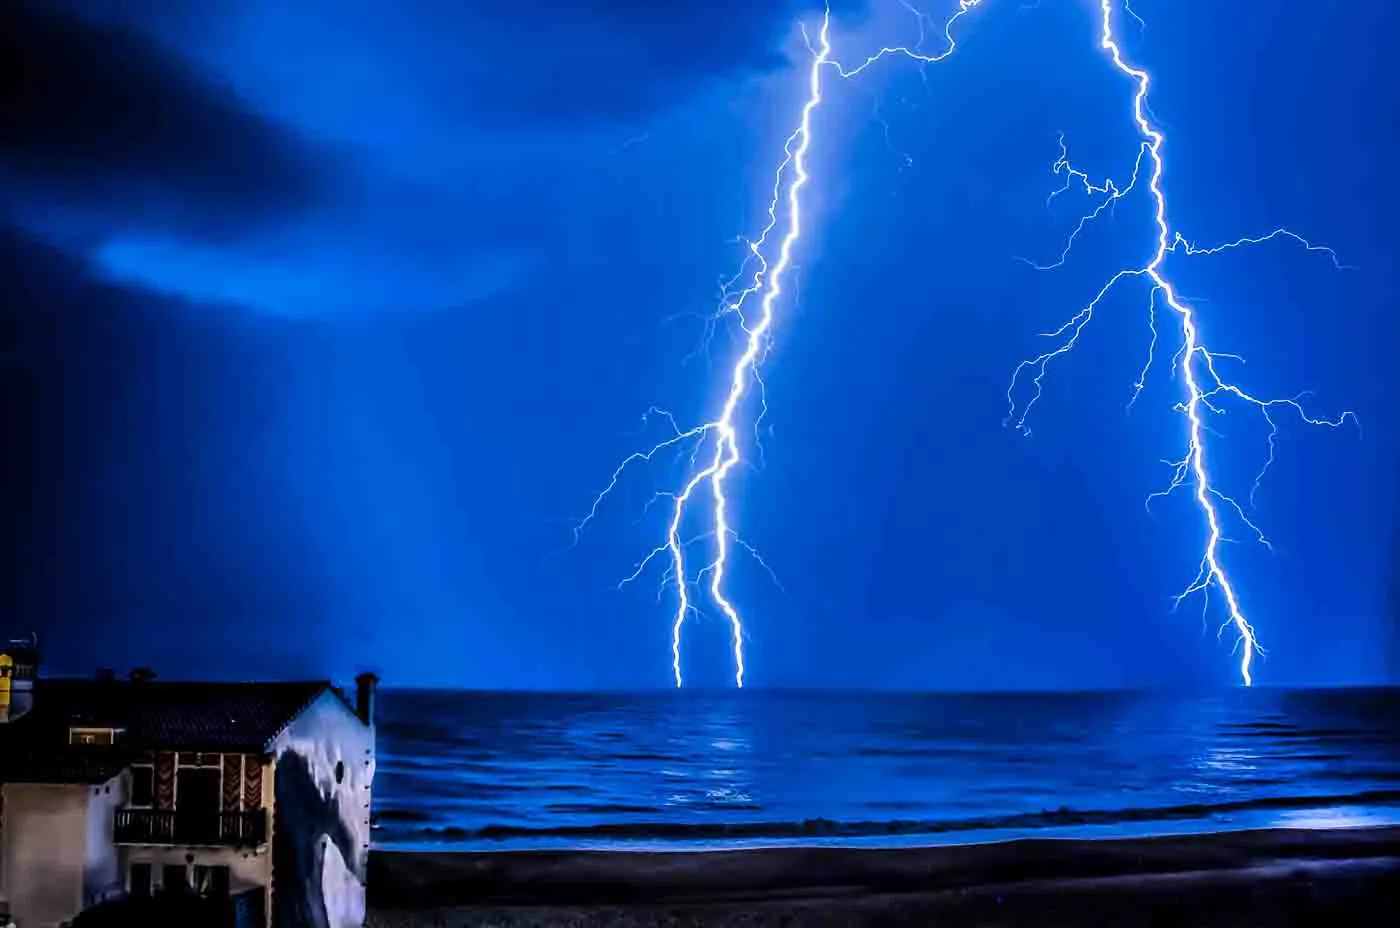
(1196, 363)
(716, 442)
(722, 433)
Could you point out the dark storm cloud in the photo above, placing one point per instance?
(492, 62)
(97, 118)
(133, 434)
(448, 136)
(28, 378)
(627, 58)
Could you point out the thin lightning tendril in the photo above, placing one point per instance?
(1196, 363)
(716, 442)
(721, 435)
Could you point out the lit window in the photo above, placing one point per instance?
(91, 736)
(211, 881)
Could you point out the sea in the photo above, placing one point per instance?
(700, 770)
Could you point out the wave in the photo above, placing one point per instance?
(827, 828)
(601, 808)
(387, 816)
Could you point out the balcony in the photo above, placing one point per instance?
(168, 826)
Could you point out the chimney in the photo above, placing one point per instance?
(365, 685)
(19, 664)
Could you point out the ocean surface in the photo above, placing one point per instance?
(700, 770)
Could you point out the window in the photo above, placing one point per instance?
(140, 879)
(197, 791)
(211, 881)
(143, 781)
(91, 736)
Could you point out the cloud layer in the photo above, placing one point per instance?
(101, 120)
(328, 157)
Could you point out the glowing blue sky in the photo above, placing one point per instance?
(358, 305)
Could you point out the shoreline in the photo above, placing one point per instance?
(1367, 808)
(1271, 876)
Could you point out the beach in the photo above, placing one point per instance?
(795, 808)
(1348, 876)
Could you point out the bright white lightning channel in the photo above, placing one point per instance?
(1197, 364)
(721, 435)
(1204, 385)
(721, 432)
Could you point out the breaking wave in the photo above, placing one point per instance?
(827, 828)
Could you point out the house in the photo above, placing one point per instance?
(253, 795)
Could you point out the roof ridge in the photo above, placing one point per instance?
(203, 715)
(160, 682)
(286, 723)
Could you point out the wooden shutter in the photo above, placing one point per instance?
(252, 784)
(233, 781)
(165, 780)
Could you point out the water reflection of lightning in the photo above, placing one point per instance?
(1197, 364)
(715, 446)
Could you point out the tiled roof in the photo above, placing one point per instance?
(21, 652)
(154, 715)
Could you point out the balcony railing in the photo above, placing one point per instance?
(169, 826)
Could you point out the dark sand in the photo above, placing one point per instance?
(1258, 878)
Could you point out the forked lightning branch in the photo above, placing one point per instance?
(755, 299)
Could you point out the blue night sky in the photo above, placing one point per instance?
(325, 321)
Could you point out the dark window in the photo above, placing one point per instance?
(211, 881)
(140, 879)
(339, 771)
(143, 781)
(197, 790)
(174, 878)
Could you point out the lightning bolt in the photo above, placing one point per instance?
(1196, 363)
(715, 449)
(721, 434)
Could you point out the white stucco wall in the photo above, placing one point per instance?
(328, 734)
(102, 873)
(45, 841)
(3, 896)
